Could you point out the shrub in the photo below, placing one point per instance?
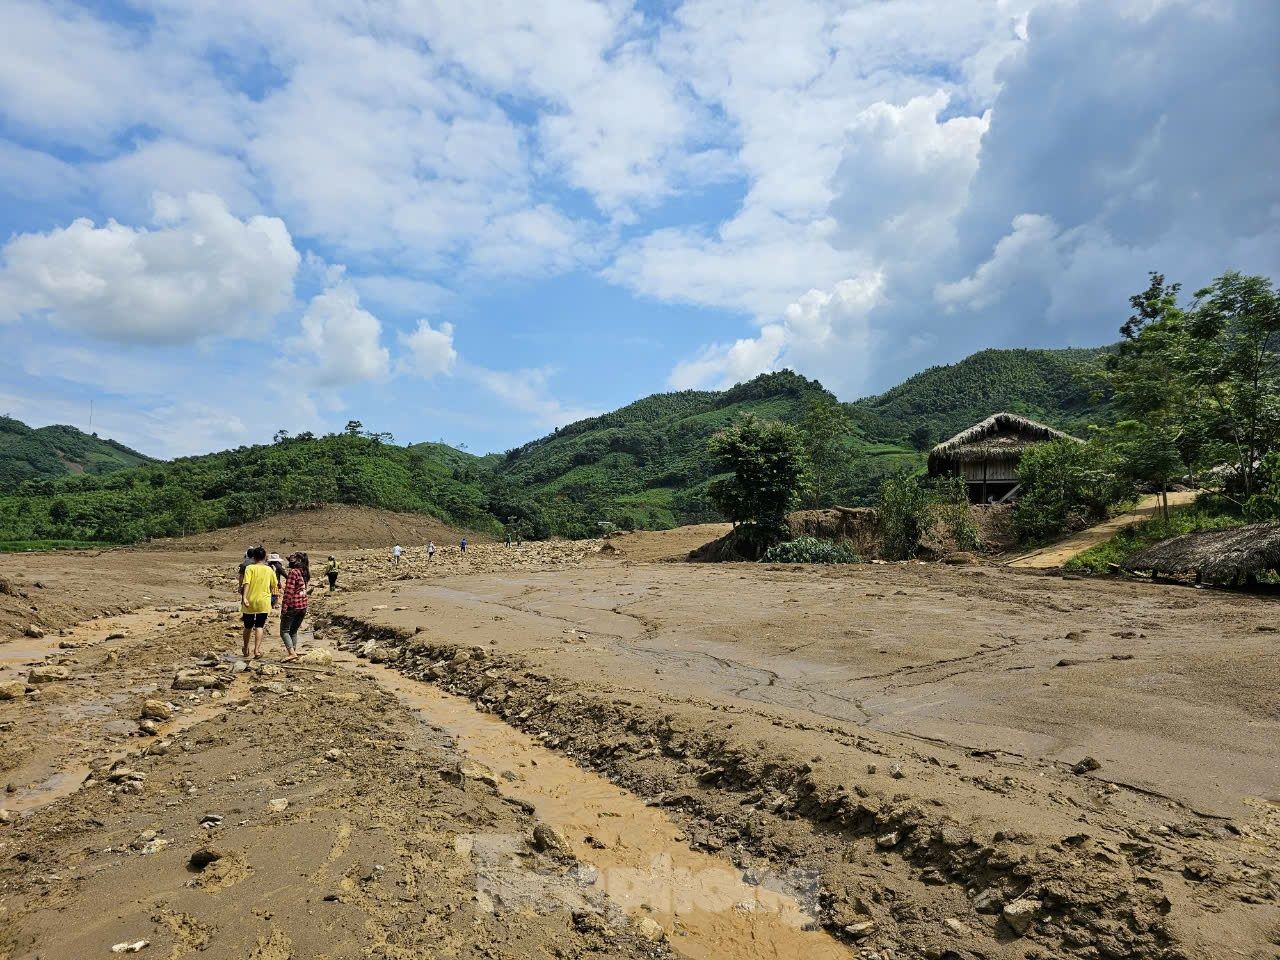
(810, 550)
(1067, 485)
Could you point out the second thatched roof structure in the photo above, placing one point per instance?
(1000, 435)
(1219, 556)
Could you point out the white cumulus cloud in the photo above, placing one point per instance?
(200, 272)
(430, 349)
(341, 341)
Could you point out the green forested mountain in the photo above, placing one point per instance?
(644, 464)
(1045, 385)
(43, 453)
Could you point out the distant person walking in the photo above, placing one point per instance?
(431, 550)
(331, 571)
(395, 555)
(258, 590)
(463, 544)
(293, 606)
(277, 563)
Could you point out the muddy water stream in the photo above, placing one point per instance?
(640, 858)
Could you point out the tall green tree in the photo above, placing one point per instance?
(1234, 335)
(825, 429)
(764, 467)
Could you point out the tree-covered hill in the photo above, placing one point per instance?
(646, 464)
(1044, 385)
(643, 465)
(236, 486)
(42, 453)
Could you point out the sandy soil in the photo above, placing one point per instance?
(716, 759)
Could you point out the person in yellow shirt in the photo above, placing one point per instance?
(258, 584)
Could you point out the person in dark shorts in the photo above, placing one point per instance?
(258, 588)
(331, 571)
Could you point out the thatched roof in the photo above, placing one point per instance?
(1000, 435)
(1221, 556)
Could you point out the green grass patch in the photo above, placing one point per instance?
(1117, 550)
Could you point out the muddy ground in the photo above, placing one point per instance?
(884, 761)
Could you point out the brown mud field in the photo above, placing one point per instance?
(547, 750)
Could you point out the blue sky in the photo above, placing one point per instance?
(476, 222)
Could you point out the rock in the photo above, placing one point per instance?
(383, 654)
(12, 689)
(117, 635)
(6, 588)
(156, 710)
(859, 930)
(959, 558)
(49, 673)
(334, 755)
(1018, 914)
(131, 947)
(239, 667)
(470, 770)
(1087, 765)
(895, 771)
(124, 774)
(148, 728)
(588, 921)
(547, 839)
(956, 927)
(211, 820)
(7, 816)
(316, 657)
(68, 645)
(887, 841)
(649, 928)
(988, 901)
(204, 856)
(278, 805)
(33, 631)
(343, 697)
(195, 679)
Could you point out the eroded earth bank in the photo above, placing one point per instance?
(546, 751)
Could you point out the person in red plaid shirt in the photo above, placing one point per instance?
(293, 605)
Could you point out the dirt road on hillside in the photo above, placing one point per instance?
(545, 751)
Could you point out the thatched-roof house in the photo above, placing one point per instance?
(988, 453)
(1236, 555)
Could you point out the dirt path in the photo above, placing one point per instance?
(1055, 555)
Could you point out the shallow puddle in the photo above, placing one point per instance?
(635, 854)
(63, 781)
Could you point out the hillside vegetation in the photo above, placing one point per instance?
(44, 453)
(644, 465)
(1045, 385)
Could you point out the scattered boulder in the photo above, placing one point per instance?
(1019, 914)
(6, 588)
(1087, 765)
(316, 657)
(195, 679)
(12, 689)
(861, 929)
(278, 805)
(988, 900)
(156, 710)
(547, 839)
(33, 631)
(48, 673)
(649, 928)
(204, 856)
(148, 728)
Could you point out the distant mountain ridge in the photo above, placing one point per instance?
(642, 465)
(34, 453)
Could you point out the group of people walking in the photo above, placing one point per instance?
(269, 580)
(398, 551)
